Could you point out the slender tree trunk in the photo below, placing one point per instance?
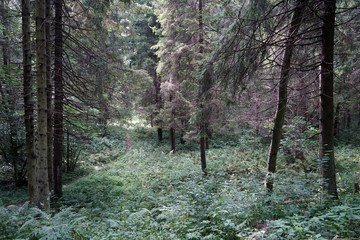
(43, 200)
(336, 122)
(172, 139)
(207, 143)
(5, 41)
(326, 111)
(157, 85)
(348, 118)
(67, 151)
(3, 14)
(49, 96)
(203, 92)
(203, 156)
(160, 134)
(28, 102)
(128, 142)
(282, 99)
(359, 114)
(59, 96)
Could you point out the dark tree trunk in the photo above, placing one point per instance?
(336, 121)
(59, 96)
(49, 96)
(67, 151)
(282, 99)
(157, 85)
(172, 139)
(348, 118)
(28, 102)
(160, 134)
(203, 156)
(205, 87)
(43, 199)
(326, 111)
(359, 114)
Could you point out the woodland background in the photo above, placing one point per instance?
(182, 119)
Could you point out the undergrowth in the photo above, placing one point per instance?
(150, 193)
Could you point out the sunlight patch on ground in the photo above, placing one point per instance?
(133, 123)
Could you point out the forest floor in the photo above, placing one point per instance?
(150, 193)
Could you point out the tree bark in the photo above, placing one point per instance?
(203, 92)
(348, 118)
(203, 156)
(157, 85)
(128, 142)
(49, 96)
(172, 139)
(59, 96)
(282, 98)
(359, 114)
(43, 199)
(326, 111)
(28, 102)
(160, 134)
(336, 120)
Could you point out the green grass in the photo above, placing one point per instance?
(152, 194)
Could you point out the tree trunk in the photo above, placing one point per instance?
(59, 96)
(42, 173)
(28, 102)
(128, 142)
(67, 151)
(282, 99)
(336, 121)
(348, 118)
(160, 134)
(205, 87)
(49, 96)
(172, 139)
(326, 111)
(203, 156)
(157, 85)
(359, 114)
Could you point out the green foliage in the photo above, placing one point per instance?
(151, 194)
(340, 221)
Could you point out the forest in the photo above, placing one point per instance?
(179, 119)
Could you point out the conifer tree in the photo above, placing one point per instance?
(43, 197)
(326, 111)
(59, 98)
(28, 101)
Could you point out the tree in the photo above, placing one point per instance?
(49, 94)
(283, 95)
(205, 87)
(326, 111)
(59, 98)
(28, 101)
(43, 198)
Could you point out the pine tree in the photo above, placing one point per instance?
(43, 198)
